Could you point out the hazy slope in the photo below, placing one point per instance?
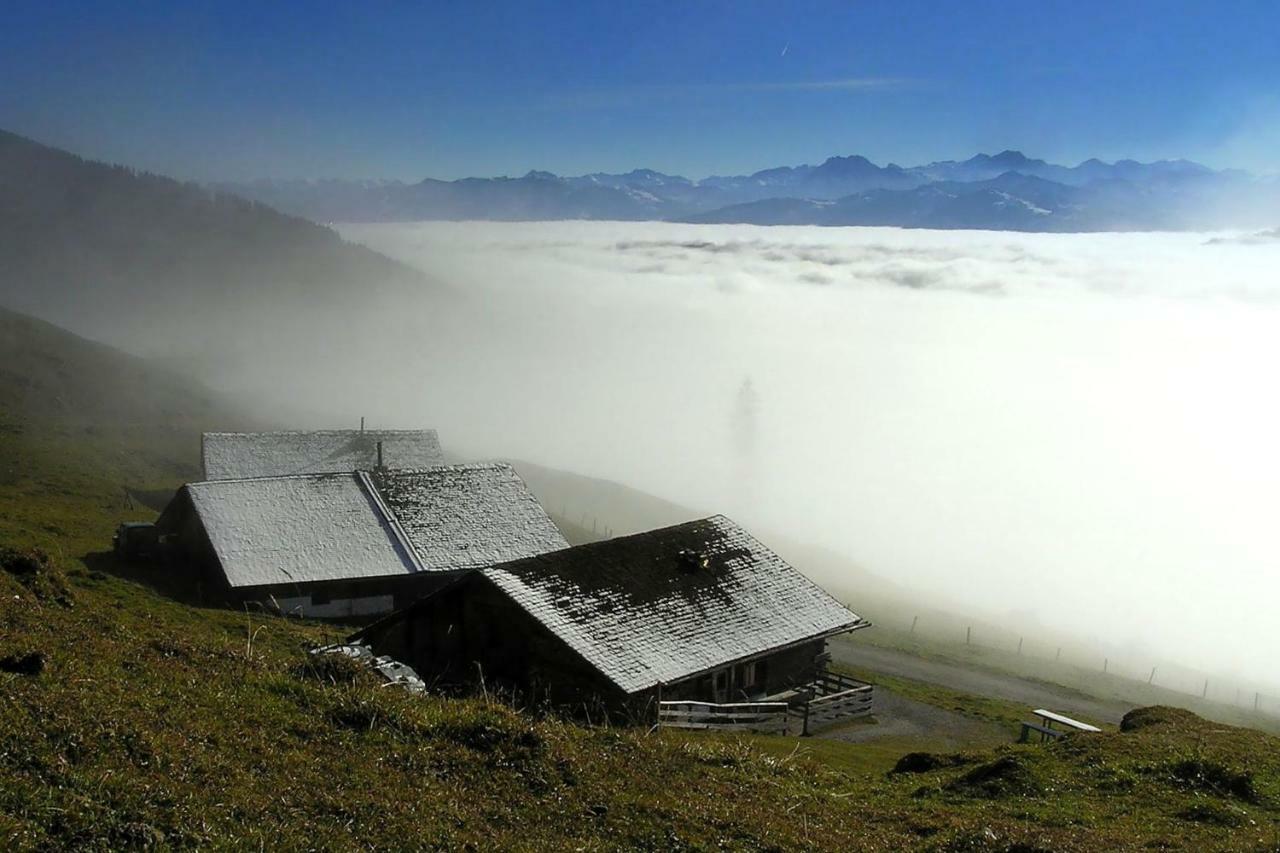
(126, 256)
(48, 374)
(79, 423)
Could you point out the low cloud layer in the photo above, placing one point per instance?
(1077, 427)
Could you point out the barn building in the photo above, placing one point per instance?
(239, 455)
(350, 545)
(699, 611)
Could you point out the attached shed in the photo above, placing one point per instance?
(700, 611)
(240, 455)
(333, 546)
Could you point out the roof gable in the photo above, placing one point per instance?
(237, 455)
(467, 516)
(664, 605)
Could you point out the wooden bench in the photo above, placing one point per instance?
(1047, 731)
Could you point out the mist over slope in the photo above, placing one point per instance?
(1072, 428)
(48, 375)
(153, 264)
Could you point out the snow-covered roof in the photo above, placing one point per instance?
(236, 455)
(466, 516)
(664, 605)
(329, 527)
(279, 530)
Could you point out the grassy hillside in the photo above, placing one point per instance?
(129, 720)
(155, 724)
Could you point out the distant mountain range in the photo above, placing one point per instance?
(1006, 191)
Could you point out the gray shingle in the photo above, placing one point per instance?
(236, 455)
(466, 516)
(663, 605)
(329, 527)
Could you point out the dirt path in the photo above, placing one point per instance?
(901, 718)
(978, 681)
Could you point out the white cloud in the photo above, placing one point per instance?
(1083, 426)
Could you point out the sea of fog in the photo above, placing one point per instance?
(1078, 427)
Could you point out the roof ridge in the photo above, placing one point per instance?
(390, 519)
(317, 475)
(355, 431)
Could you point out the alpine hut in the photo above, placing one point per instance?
(700, 611)
(351, 544)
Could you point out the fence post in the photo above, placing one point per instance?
(1106, 662)
(1020, 645)
(1152, 677)
(1255, 701)
(914, 619)
(1058, 656)
(1204, 694)
(968, 633)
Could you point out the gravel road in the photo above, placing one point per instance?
(982, 682)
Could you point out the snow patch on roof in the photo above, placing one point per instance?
(664, 605)
(237, 455)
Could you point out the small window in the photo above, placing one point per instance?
(751, 676)
(721, 681)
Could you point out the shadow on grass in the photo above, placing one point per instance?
(162, 575)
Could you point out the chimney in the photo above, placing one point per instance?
(379, 455)
(362, 424)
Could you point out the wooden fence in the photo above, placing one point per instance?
(769, 717)
(845, 705)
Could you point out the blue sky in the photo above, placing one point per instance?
(446, 89)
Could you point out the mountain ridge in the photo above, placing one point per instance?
(1093, 196)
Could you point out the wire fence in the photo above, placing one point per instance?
(1032, 656)
(1089, 669)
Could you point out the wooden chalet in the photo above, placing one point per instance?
(349, 545)
(696, 614)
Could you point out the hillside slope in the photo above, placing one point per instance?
(128, 720)
(147, 262)
(80, 422)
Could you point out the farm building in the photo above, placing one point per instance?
(700, 611)
(353, 544)
(239, 455)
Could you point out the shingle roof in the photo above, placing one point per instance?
(297, 529)
(236, 455)
(663, 605)
(327, 527)
(466, 516)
